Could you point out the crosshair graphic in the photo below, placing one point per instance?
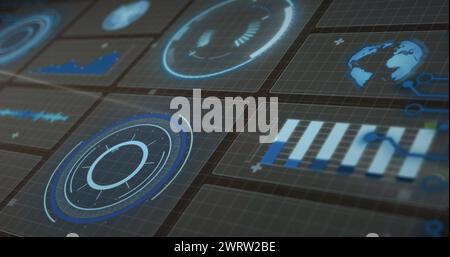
(120, 167)
(21, 36)
(211, 44)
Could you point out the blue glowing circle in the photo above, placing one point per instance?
(433, 227)
(90, 179)
(19, 37)
(125, 15)
(208, 45)
(404, 58)
(73, 194)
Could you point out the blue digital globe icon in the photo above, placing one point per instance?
(125, 15)
(403, 58)
(130, 162)
(19, 37)
(215, 42)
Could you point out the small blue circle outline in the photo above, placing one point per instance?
(172, 171)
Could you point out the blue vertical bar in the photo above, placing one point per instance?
(278, 144)
(303, 145)
(356, 150)
(421, 145)
(329, 147)
(385, 152)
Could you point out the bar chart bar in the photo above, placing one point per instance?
(303, 144)
(421, 145)
(385, 152)
(278, 144)
(356, 150)
(329, 147)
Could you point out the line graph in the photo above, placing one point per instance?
(34, 116)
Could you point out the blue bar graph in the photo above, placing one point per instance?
(330, 146)
(304, 144)
(388, 145)
(385, 152)
(278, 144)
(412, 164)
(356, 150)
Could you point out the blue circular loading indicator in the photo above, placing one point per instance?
(21, 36)
(214, 43)
(120, 167)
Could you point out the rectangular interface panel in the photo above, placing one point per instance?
(219, 211)
(407, 65)
(96, 62)
(119, 174)
(139, 18)
(201, 51)
(350, 13)
(14, 167)
(48, 20)
(39, 118)
(379, 154)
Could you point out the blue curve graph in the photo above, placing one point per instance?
(99, 66)
(34, 116)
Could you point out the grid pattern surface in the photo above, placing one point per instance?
(68, 12)
(39, 118)
(330, 178)
(14, 168)
(325, 66)
(227, 187)
(346, 13)
(218, 211)
(154, 20)
(151, 71)
(141, 221)
(87, 56)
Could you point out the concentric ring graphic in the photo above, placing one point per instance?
(18, 38)
(211, 44)
(120, 167)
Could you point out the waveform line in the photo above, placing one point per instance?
(35, 116)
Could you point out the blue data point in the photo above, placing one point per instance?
(433, 228)
(433, 184)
